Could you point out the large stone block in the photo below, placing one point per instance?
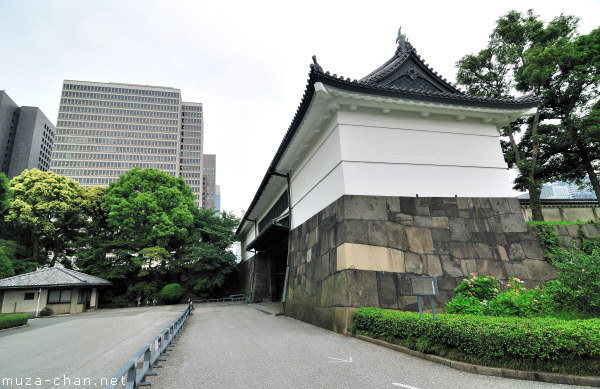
(459, 250)
(355, 231)
(408, 205)
(386, 288)
(440, 235)
(468, 266)
(515, 269)
(396, 236)
(447, 283)
(408, 303)
(326, 292)
(458, 230)
(432, 265)
(365, 207)
(362, 288)
(513, 222)
(490, 268)
(451, 266)
(365, 257)
(440, 222)
(539, 270)
(413, 263)
(419, 240)
(377, 233)
(515, 252)
(341, 297)
(393, 205)
(423, 221)
(343, 319)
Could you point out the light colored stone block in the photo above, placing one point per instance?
(373, 258)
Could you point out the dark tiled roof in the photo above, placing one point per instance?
(406, 75)
(53, 276)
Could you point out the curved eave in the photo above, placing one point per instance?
(452, 99)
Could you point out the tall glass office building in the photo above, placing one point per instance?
(105, 129)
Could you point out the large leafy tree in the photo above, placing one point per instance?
(149, 215)
(207, 260)
(511, 63)
(4, 193)
(46, 206)
(149, 208)
(574, 92)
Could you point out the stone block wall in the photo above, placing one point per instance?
(361, 250)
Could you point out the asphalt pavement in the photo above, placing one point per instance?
(78, 351)
(247, 346)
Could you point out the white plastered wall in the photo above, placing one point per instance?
(406, 156)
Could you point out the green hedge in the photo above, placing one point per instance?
(12, 320)
(489, 337)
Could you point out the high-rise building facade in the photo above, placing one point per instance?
(106, 129)
(26, 138)
(209, 181)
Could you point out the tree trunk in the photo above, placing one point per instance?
(593, 178)
(535, 189)
(36, 246)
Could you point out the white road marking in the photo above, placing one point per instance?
(340, 360)
(404, 386)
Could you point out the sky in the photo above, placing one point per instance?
(246, 61)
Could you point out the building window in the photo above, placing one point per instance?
(29, 296)
(59, 296)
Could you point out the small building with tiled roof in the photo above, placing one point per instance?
(63, 290)
(379, 179)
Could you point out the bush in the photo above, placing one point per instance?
(484, 296)
(12, 320)
(488, 337)
(171, 293)
(482, 288)
(578, 284)
(46, 311)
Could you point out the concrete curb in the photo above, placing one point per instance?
(553, 378)
(14, 328)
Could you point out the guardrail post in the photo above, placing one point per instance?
(131, 374)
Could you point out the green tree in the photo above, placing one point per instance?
(5, 193)
(513, 62)
(149, 208)
(47, 206)
(574, 91)
(6, 269)
(207, 260)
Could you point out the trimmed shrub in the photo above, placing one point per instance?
(46, 311)
(488, 337)
(12, 320)
(171, 293)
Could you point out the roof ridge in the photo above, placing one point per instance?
(68, 271)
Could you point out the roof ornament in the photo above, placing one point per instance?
(315, 65)
(401, 37)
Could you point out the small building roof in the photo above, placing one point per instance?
(52, 277)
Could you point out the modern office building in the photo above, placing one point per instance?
(26, 138)
(209, 181)
(106, 129)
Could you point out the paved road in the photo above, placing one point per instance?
(237, 346)
(54, 352)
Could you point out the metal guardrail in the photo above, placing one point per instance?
(240, 298)
(132, 375)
